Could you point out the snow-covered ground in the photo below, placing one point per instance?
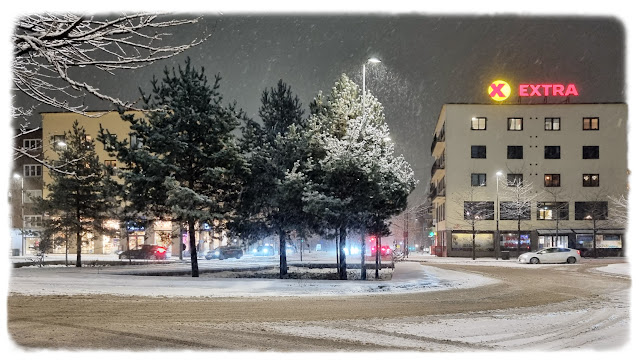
(407, 277)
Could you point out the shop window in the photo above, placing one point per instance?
(514, 124)
(479, 123)
(552, 124)
(509, 241)
(514, 152)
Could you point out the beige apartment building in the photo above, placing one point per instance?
(573, 157)
(160, 231)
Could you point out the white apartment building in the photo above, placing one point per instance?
(573, 157)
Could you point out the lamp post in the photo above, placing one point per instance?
(364, 92)
(496, 244)
(17, 176)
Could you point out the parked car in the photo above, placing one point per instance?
(551, 255)
(152, 252)
(225, 252)
(264, 250)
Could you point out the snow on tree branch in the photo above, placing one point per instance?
(48, 47)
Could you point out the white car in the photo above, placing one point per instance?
(551, 255)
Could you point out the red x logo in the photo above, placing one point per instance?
(496, 90)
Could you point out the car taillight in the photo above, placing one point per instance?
(161, 250)
(579, 252)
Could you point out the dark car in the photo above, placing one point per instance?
(152, 252)
(264, 250)
(225, 252)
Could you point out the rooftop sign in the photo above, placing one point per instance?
(500, 90)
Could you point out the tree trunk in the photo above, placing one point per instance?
(194, 250)
(595, 248)
(473, 241)
(66, 248)
(363, 269)
(337, 252)
(343, 258)
(377, 256)
(283, 253)
(519, 236)
(78, 248)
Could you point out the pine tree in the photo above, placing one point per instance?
(77, 201)
(271, 202)
(358, 183)
(185, 164)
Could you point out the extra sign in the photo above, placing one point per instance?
(500, 90)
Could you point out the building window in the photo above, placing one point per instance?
(478, 152)
(32, 221)
(553, 211)
(58, 141)
(32, 170)
(552, 124)
(31, 143)
(479, 123)
(30, 196)
(590, 152)
(590, 123)
(110, 163)
(136, 142)
(510, 210)
(514, 180)
(514, 152)
(478, 179)
(514, 124)
(109, 142)
(551, 180)
(590, 210)
(478, 210)
(590, 180)
(552, 152)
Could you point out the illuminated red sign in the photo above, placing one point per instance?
(547, 90)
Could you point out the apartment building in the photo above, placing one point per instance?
(25, 186)
(573, 157)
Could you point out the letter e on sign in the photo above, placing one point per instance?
(499, 90)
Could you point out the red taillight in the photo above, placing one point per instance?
(579, 252)
(161, 250)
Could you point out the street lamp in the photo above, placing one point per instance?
(496, 244)
(17, 176)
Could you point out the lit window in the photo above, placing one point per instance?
(552, 180)
(553, 211)
(590, 180)
(514, 124)
(58, 141)
(590, 123)
(479, 123)
(552, 124)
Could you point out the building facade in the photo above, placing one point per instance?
(158, 231)
(25, 187)
(572, 157)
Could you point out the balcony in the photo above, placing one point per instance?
(438, 165)
(438, 143)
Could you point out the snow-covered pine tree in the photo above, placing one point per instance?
(185, 163)
(359, 183)
(78, 201)
(273, 149)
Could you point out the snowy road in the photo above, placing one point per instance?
(486, 305)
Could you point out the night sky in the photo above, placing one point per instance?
(427, 61)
